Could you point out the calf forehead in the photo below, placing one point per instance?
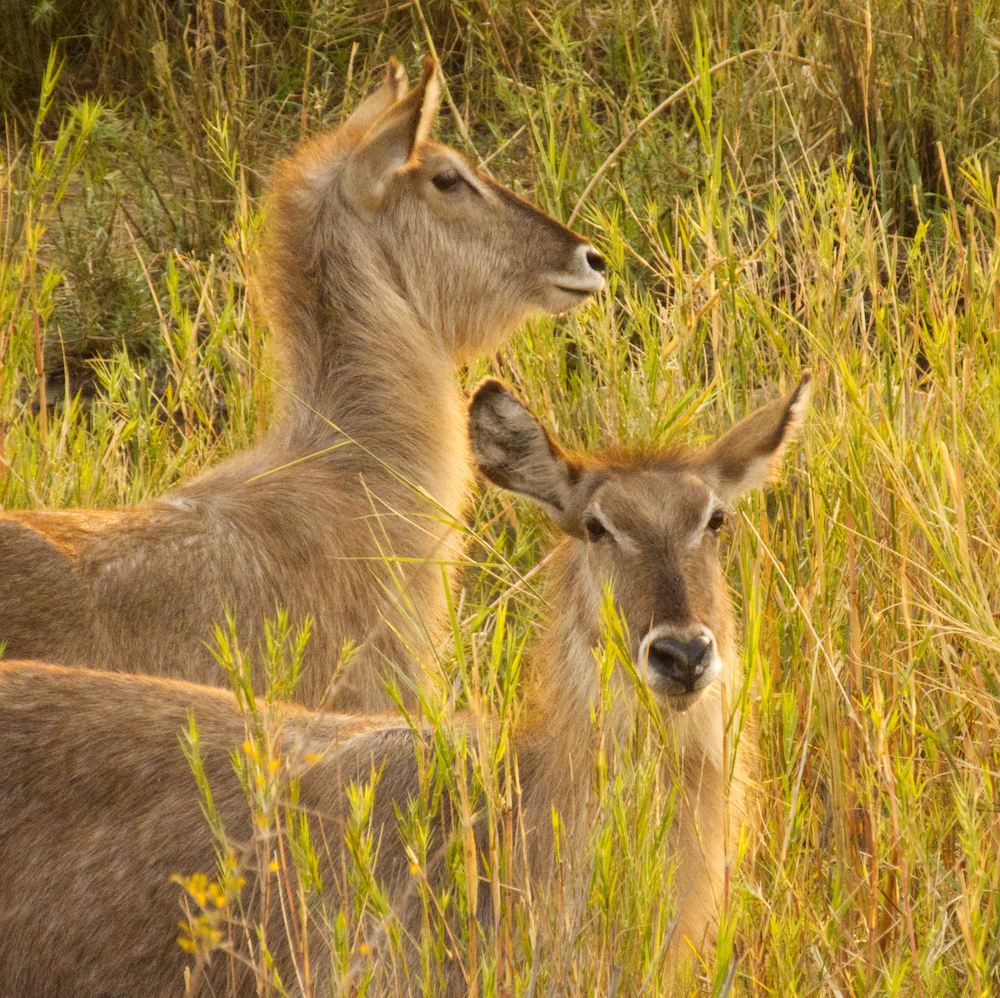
(656, 505)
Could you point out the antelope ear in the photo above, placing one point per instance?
(745, 458)
(390, 140)
(365, 115)
(514, 452)
(430, 102)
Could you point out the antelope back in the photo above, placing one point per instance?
(99, 811)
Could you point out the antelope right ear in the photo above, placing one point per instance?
(390, 140)
(745, 458)
(514, 452)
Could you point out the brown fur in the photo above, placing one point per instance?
(98, 806)
(377, 285)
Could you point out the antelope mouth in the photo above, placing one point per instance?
(561, 295)
(682, 703)
(583, 285)
(572, 297)
(583, 277)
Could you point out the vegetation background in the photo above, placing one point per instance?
(822, 195)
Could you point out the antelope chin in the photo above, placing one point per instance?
(680, 703)
(559, 298)
(564, 291)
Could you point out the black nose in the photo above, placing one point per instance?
(682, 662)
(596, 261)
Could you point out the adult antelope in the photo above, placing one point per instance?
(98, 806)
(388, 262)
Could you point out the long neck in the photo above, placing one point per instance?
(356, 358)
(357, 364)
(567, 717)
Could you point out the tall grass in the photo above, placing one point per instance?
(830, 203)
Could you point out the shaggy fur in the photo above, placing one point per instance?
(388, 261)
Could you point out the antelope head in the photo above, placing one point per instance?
(647, 523)
(414, 219)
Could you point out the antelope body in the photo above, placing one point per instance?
(646, 522)
(388, 261)
(98, 806)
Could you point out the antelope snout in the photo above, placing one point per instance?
(680, 663)
(590, 267)
(583, 276)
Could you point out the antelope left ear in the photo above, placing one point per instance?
(392, 90)
(744, 459)
(514, 452)
(390, 141)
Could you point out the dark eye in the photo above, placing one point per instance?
(717, 521)
(595, 529)
(450, 180)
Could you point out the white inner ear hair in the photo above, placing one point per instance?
(757, 474)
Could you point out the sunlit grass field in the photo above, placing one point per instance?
(828, 201)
